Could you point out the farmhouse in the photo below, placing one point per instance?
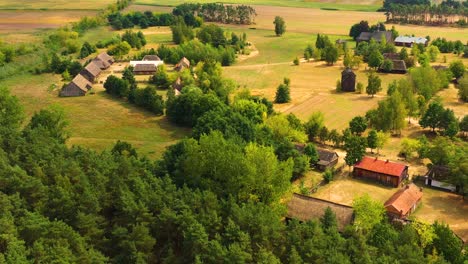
(144, 69)
(151, 58)
(183, 64)
(399, 66)
(386, 172)
(378, 36)
(438, 176)
(348, 80)
(305, 208)
(407, 41)
(103, 60)
(403, 202)
(91, 71)
(327, 159)
(79, 86)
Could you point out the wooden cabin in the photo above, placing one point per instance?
(404, 202)
(348, 80)
(385, 172)
(91, 71)
(79, 86)
(327, 159)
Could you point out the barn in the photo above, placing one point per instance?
(91, 71)
(184, 63)
(305, 208)
(378, 36)
(399, 66)
(348, 80)
(403, 202)
(103, 60)
(79, 86)
(408, 41)
(144, 69)
(151, 58)
(385, 172)
(177, 85)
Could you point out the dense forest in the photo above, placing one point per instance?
(422, 12)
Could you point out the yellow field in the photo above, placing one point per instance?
(55, 4)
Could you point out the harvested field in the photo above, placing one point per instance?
(30, 21)
(56, 4)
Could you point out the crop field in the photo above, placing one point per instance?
(55, 4)
(97, 120)
(366, 5)
(32, 20)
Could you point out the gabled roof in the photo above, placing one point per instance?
(105, 57)
(381, 166)
(151, 58)
(377, 36)
(408, 39)
(404, 199)
(101, 64)
(177, 85)
(82, 82)
(144, 68)
(391, 56)
(305, 208)
(93, 68)
(183, 63)
(326, 156)
(399, 65)
(348, 71)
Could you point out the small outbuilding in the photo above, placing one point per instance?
(399, 66)
(184, 63)
(438, 176)
(151, 58)
(103, 60)
(305, 208)
(79, 86)
(144, 69)
(177, 85)
(408, 41)
(378, 36)
(348, 80)
(385, 172)
(327, 159)
(91, 71)
(404, 202)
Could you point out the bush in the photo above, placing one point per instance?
(296, 61)
(328, 175)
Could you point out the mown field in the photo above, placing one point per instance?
(55, 4)
(365, 5)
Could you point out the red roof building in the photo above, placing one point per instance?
(386, 172)
(403, 202)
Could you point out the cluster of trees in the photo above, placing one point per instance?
(423, 12)
(216, 12)
(86, 50)
(363, 26)
(147, 19)
(283, 92)
(372, 51)
(135, 40)
(61, 65)
(437, 117)
(325, 50)
(126, 88)
(448, 46)
(463, 88)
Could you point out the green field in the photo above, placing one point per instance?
(56, 4)
(367, 5)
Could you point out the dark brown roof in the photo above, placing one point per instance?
(391, 56)
(326, 156)
(404, 199)
(347, 72)
(177, 85)
(101, 64)
(151, 58)
(305, 208)
(103, 60)
(399, 66)
(183, 63)
(377, 36)
(93, 69)
(144, 68)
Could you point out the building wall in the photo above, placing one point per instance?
(71, 90)
(441, 185)
(382, 178)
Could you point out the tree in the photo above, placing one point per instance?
(464, 124)
(308, 52)
(374, 84)
(311, 151)
(433, 52)
(355, 147)
(457, 68)
(409, 147)
(358, 125)
(447, 243)
(358, 28)
(432, 117)
(328, 175)
(375, 59)
(50, 122)
(280, 26)
(382, 139)
(463, 88)
(372, 139)
(11, 115)
(368, 213)
(161, 78)
(296, 61)
(387, 65)
(116, 86)
(119, 49)
(331, 54)
(314, 124)
(282, 93)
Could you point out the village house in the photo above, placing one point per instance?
(103, 60)
(155, 63)
(91, 71)
(438, 176)
(399, 66)
(184, 63)
(79, 86)
(403, 202)
(378, 36)
(144, 69)
(385, 172)
(348, 80)
(327, 159)
(305, 208)
(408, 41)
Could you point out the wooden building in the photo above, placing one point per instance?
(327, 159)
(151, 58)
(144, 69)
(438, 176)
(348, 80)
(385, 172)
(399, 66)
(177, 85)
(403, 202)
(103, 60)
(305, 208)
(378, 36)
(91, 71)
(184, 63)
(408, 41)
(79, 86)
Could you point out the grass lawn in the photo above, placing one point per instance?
(56, 4)
(366, 5)
(98, 120)
(310, 180)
